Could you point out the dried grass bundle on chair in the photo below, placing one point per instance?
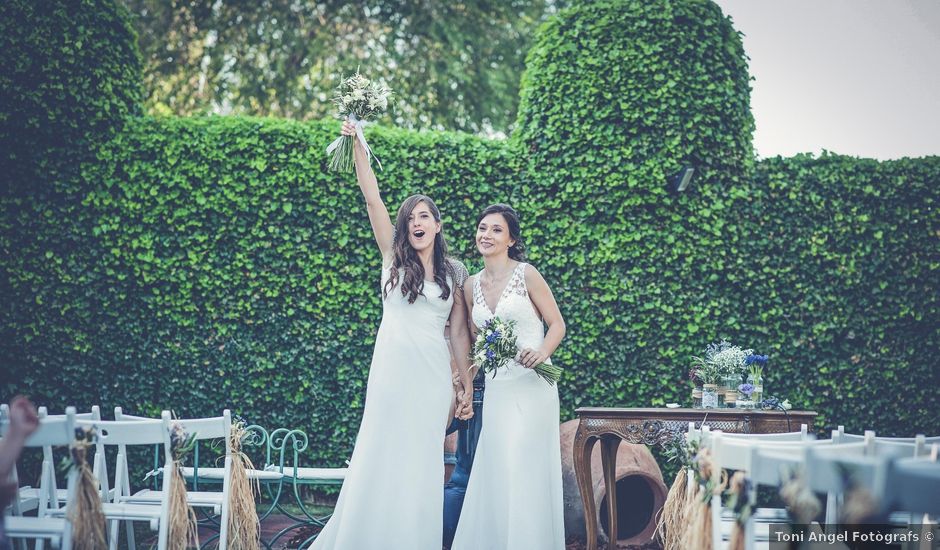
(85, 515)
(672, 516)
(801, 503)
(243, 526)
(698, 532)
(670, 524)
(182, 527)
(740, 490)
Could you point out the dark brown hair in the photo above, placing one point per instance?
(517, 250)
(406, 264)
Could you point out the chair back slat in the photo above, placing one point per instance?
(56, 431)
(201, 428)
(915, 485)
(129, 432)
(208, 428)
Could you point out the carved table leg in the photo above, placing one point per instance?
(583, 445)
(609, 446)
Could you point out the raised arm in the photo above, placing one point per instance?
(382, 226)
(544, 302)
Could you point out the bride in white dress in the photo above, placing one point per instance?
(393, 493)
(514, 496)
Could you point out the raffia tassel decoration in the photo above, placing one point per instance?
(182, 528)
(243, 526)
(739, 487)
(699, 525)
(672, 517)
(85, 515)
(801, 503)
(698, 532)
(859, 506)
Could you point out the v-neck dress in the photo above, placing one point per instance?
(514, 496)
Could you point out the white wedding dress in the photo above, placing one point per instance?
(514, 496)
(393, 495)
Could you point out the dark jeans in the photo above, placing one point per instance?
(467, 437)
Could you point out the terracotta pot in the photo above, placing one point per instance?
(640, 490)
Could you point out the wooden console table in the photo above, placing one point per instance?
(655, 427)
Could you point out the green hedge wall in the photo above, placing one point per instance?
(70, 74)
(69, 77)
(239, 272)
(840, 280)
(616, 97)
(213, 262)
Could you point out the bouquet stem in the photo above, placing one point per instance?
(549, 373)
(342, 158)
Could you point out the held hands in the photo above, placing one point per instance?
(531, 358)
(464, 408)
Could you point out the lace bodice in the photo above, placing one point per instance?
(513, 305)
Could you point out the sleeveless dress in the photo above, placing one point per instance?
(393, 493)
(514, 497)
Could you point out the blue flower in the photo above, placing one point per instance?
(746, 389)
(758, 359)
(498, 334)
(490, 354)
(491, 337)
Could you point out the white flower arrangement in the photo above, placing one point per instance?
(721, 359)
(357, 99)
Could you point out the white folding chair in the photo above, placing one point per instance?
(742, 453)
(777, 515)
(133, 433)
(801, 435)
(855, 449)
(913, 485)
(840, 435)
(914, 488)
(201, 429)
(99, 467)
(52, 431)
(27, 497)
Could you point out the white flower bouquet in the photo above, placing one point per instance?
(357, 99)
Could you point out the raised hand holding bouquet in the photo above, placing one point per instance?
(357, 99)
(495, 346)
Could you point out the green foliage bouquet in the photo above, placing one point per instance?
(357, 99)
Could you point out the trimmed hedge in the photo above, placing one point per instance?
(616, 97)
(70, 74)
(240, 273)
(69, 77)
(221, 265)
(840, 277)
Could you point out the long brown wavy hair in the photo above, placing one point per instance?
(406, 264)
